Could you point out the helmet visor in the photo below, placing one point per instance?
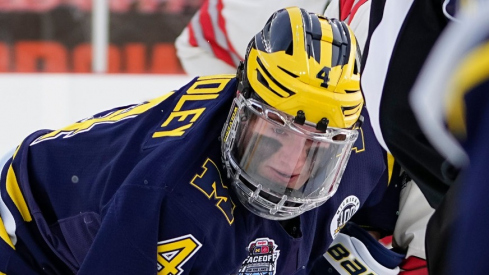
(284, 158)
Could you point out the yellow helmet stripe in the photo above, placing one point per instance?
(297, 26)
(326, 53)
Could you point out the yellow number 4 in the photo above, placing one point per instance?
(174, 253)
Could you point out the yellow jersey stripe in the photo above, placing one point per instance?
(390, 167)
(4, 235)
(13, 190)
(223, 76)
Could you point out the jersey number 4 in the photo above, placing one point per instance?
(174, 253)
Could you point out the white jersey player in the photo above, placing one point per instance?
(215, 39)
(355, 13)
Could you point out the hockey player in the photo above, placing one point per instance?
(202, 52)
(174, 185)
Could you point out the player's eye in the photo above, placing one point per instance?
(279, 131)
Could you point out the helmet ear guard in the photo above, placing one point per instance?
(243, 85)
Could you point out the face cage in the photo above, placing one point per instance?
(251, 194)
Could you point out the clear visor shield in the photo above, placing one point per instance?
(279, 157)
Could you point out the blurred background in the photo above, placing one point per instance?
(64, 60)
(56, 36)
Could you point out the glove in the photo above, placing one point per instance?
(355, 251)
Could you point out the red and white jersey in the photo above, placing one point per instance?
(354, 12)
(216, 38)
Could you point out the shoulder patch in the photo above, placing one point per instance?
(347, 208)
(262, 257)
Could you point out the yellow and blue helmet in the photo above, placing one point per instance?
(293, 122)
(304, 61)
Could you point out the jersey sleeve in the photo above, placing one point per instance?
(380, 211)
(10, 262)
(151, 227)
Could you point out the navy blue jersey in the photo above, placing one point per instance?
(141, 189)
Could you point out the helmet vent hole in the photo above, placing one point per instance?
(288, 72)
(276, 117)
(264, 82)
(350, 110)
(257, 108)
(290, 49)
(262, 79)
(340, 137)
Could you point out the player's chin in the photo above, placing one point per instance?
(274, 176)
(295, 183)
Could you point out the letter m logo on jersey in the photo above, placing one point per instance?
(210, 183)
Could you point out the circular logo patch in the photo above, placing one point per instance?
(347, 208)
